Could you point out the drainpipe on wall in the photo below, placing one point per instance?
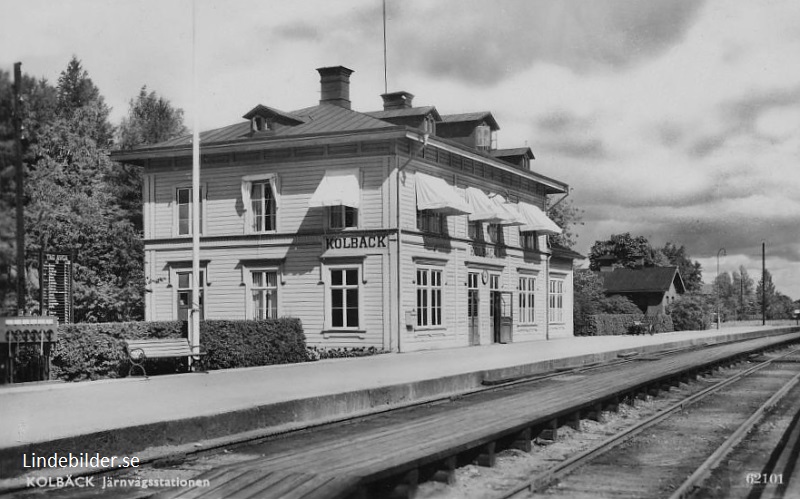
(400, 315)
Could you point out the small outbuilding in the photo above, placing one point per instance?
(650, 288)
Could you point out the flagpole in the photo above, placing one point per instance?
(194, 328)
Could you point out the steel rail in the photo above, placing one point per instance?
(542, 480)
(784, 466)
(714, 460)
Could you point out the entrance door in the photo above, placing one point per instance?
(506, 318)
(473, 314)
(494, 306)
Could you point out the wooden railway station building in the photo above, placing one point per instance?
(401, 228)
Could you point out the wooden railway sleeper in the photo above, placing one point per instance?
(573, 420)
(595, 413)
(446, 472)
(405, 488)
(522, 440)
(549, 431)
(487, 456)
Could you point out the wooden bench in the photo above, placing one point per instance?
(160, 348)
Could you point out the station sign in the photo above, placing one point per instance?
(355, 243)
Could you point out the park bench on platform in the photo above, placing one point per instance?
(160, 348)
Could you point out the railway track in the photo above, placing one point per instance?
(392, 452)
(669, 455)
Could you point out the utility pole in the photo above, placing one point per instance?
(20, 198)
(763, 283)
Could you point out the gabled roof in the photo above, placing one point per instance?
(406, 112)
(470, 117)
(644, 280)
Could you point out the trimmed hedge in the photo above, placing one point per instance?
(95, 351)
(616, 324)
(253, 343)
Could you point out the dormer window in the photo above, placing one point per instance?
(483, 137)
(259, 124)
(429, 126)
(267, 119)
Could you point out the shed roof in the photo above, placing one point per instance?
(644, 280)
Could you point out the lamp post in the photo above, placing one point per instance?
(723, 253)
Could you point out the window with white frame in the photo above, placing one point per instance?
(264, 294)
(556, 300)
(344, 292)
(185, 211)
(527, 299)
(529, 240)
(342, 217)
(263, 206)
(429, 297)
(261, 202)
(431, 221)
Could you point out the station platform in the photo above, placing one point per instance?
(151, 418)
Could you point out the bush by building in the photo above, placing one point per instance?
(253, 343)
(95, 351)
(690, 313)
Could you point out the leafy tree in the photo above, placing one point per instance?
(37, 108)
(151, 119)
(690, 313)
(70, 201)
(691, 271)
(781, 307)
(590, 299)
(766, 291)
(566, 216)
(78, 94)
(627, 250)
(743, 293)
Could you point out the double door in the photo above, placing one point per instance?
(499, 309)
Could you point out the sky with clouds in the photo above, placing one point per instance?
(677, 120)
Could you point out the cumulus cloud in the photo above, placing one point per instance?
(487, 41)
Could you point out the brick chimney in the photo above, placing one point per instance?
(397, 100)
(335, 86)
